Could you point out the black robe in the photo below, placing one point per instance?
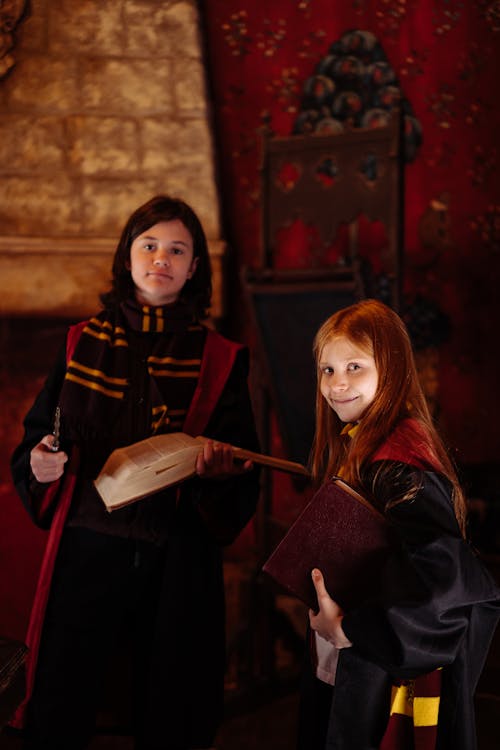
(435, 606)
(185, 690)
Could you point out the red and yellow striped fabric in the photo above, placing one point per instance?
(414, 714)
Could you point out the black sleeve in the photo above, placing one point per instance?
(227, 505)
(38, 422)
(419, 616)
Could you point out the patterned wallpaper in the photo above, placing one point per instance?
(298, 64)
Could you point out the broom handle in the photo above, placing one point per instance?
(275, 463)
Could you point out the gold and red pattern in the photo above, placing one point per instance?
(98, 373)
(414, 714)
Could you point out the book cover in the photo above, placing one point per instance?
(340, 533)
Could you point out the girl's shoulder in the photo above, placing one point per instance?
(409, 443)
(417, 501)
(408, 484)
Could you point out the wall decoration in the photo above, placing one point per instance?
(441, 57)
(11, 12)
(355, 86)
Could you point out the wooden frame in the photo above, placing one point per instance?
(376, 192)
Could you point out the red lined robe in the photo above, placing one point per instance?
(435, 606)
(219, 357)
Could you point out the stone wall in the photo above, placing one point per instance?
(105, 106)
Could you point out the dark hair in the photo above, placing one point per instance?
(375, 327)
(197, 290)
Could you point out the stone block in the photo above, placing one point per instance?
(172, 144)
(207, 207)
(127, 86)
(197, 190)
(190, 87)
(86, 28)
(168, 28)
(64, 284)
(39, 206)
(31, 144)
(31, 33)
(107, 204)
(200, 192)
(42, 85)
(103, 145)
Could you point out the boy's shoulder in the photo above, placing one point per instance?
(217, 340)
(73, 336)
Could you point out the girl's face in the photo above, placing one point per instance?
(161, 261)
(348, 378)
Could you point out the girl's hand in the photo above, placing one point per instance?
(216, 461)
(47, 465)
(328, 621)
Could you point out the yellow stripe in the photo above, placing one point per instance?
(100, 324)
(106, 337)
(159, 320)
(399, 701)
(94, 386)
(350, 429)
(104, 324)
(425, 712)
(172, 412)
(145, 319)
(97, 374)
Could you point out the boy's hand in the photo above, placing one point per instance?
(216, 461)
(46, 464)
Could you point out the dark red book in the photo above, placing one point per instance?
(340, 533)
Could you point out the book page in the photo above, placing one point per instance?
(146, 453)
(146, 467)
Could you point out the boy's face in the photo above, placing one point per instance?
(161, 261)
(348, 378)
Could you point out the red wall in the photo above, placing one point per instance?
(446, 58)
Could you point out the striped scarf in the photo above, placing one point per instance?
(98, 374)
(414, 708)
(414, 714)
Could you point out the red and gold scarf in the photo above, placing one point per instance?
(98, 374)
(413, 720)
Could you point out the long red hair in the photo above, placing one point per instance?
(375, 327)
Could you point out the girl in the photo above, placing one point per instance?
(148, 577)
(400, 669)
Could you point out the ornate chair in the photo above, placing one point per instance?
(324, 182)
(329, 180)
